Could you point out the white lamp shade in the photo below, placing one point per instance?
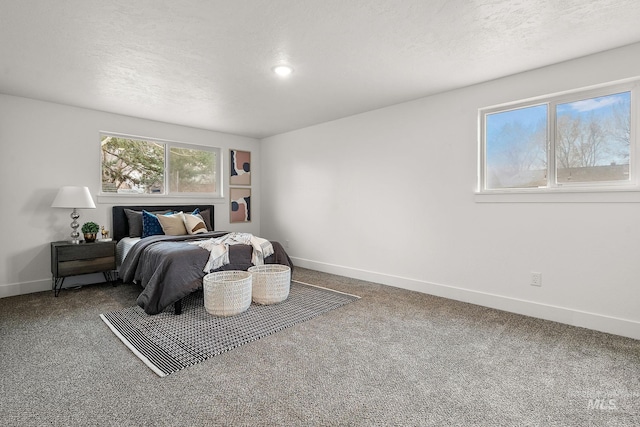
(73, 197)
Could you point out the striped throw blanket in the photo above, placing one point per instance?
(219, 248)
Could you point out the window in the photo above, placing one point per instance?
(132, 165)
(580, 140)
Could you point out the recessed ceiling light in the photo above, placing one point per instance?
(283, 70)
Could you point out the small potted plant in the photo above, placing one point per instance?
(90, 230)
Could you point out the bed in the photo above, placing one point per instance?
(170, 267)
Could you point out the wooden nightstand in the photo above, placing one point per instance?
(69, 259)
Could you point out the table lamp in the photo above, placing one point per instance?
(74, 198)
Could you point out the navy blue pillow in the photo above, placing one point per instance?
(150, 225)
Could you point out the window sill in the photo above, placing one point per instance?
(560, 196)
(150, 199)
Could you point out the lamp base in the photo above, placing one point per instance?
(75, 235)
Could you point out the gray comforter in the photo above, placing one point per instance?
(169, 268)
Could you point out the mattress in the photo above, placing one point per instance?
(122, 248)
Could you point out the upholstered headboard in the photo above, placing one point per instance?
(120, 226)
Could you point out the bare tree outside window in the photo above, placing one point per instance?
(555, 143)
(592, 139)
(516, 148)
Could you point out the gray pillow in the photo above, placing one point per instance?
(134, 218)
(206, 217)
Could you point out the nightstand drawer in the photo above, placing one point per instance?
(85, 266)
(86, 251)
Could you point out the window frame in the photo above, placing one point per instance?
(552, 101)
(168, 144)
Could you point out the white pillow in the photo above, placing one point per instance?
(194, 224)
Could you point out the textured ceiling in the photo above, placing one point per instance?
(207, 63)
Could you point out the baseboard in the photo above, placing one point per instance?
(597, 322)
(13, 289)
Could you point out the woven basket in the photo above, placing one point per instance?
(227, 293)
(271, 283)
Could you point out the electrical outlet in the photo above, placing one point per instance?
(286, 244)
(536, 279)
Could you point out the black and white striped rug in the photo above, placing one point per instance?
(167, 343)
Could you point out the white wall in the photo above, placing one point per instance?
(388, 196)
(45, 146)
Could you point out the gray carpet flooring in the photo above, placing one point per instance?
(395, 357)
